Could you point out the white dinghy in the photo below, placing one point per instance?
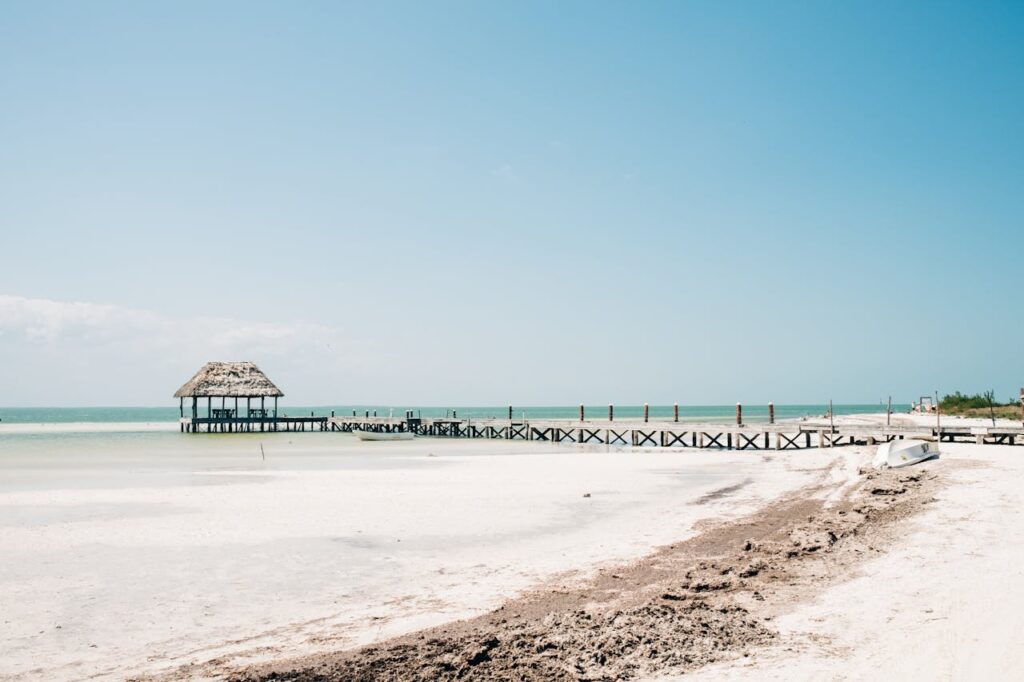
(902, 453)
(383, 435)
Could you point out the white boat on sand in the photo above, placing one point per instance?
(901, 453)
(383, 435)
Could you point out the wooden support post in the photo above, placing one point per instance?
(739, 415)
(646, 413)
(181, 406)
(611, 412)
(510, 413)
(275, 411)
(209, 407)
(582, 413)
(771, 412)
(888, 412)
(675, 412)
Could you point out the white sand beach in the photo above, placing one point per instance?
(945, 602)
(132, 556)
(149, 553)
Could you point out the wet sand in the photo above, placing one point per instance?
(713, 597)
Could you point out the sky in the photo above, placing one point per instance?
(536, 203)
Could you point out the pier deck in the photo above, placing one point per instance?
(758, 436)
(253, 424)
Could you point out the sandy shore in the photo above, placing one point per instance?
(495, 560)
(135, 554)
(913, 574)
(945, 600)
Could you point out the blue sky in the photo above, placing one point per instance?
(537, 203)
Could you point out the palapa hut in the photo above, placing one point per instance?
(226, 380)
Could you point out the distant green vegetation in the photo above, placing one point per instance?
(978, 405)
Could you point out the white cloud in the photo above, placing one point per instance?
(51, 322)
(66, 346)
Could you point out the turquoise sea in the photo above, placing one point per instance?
(696, 413)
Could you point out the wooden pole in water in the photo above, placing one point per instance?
(611, 412)
(771, 412)
(675, 412)
(739, 415)
(831, 421)
(888, 412)
(510, 413)
(582, 412)
(646, 412)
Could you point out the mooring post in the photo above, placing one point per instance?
(510, 413)
(771, 412)
(739, 415)
(675, 412)
(582, 413)
(646, 412)
(611, 412)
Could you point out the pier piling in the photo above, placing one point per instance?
(646, 413)
(771, 412)
(739, 415)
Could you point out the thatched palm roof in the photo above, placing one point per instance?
(229, 379)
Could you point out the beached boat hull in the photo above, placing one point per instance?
(901, 453)
(381, 435)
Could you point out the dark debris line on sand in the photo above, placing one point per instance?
(710, 598)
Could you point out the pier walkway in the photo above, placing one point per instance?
(758, 436)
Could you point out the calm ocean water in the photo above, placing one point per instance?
(700, 413)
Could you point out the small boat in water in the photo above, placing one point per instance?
(901, 453)
(384, 435)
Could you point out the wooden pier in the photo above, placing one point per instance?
(672, 434)
(255, 424)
